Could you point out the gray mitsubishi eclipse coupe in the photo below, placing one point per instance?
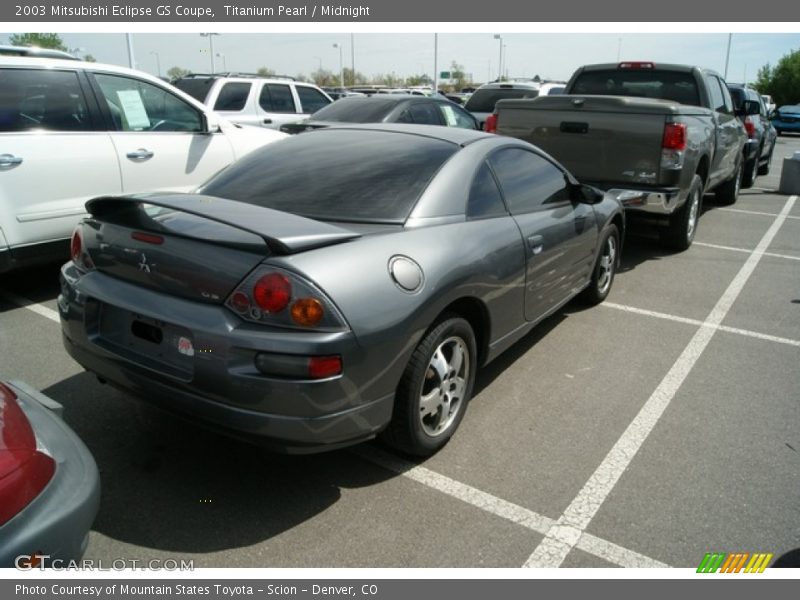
(337, 285)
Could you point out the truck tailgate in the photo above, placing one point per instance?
(611, 139)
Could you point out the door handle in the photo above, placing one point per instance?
(140, 154)
(9, 160)
(267, 121)
(536, 244)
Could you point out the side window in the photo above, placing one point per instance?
(727, 103)
(405, 117)
(484, 196)
(276, 98)
(425, 113)
(311, 100)
(233, 96)
(42, 99)
(456, 117)
(529, 182)
(717, 102)
(137, 105)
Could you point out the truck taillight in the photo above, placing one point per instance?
(674, 136)
(490, 126)
(750, 127)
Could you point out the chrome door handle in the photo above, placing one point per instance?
(536, 244)
(140, 154)
(9, 160)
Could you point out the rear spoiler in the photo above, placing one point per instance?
(283, 232)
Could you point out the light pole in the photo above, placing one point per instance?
(158, 62)
(341, 67)
(353, 56)
(319, 70)
(728, 55)
(500, 59)
(505, 52)
(224, 62)
(131, 59)
(210, 37)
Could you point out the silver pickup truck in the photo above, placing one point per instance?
(657, 136)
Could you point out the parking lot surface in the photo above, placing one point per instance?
(647, 431)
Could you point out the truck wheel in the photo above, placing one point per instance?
(751, 171)
(604, 269)
(433, 393)
(764, 169)
(728, 192)
(683, 224)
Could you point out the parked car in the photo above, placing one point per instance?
(768, 102)
(49, 483)
(249, 99)
(339, 284)
(787, 118)
(761, 135)
(659, 135)
(481, 103)
(388, 108)
(71, 130)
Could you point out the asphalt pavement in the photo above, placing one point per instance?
(646, 431)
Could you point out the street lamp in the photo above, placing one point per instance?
(210, 37)
(341, 68)
(158, 62)
(500, 59)
(319, 70)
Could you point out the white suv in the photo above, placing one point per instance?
(252, 100)
(71, 130)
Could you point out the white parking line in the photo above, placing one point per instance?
(567, 531)
(745, 250)
(698, 323)
(39, 309)
(756, 212)
(501, 508)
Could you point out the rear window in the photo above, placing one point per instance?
(196, 88)
(645, 83)
(233, 96)
(337, 175)
(484, 100)
(356, 110)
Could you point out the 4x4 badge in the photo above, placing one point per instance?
(143, 265)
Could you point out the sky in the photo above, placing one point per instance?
(549, 55)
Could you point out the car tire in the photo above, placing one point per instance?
(605, 267)
(751, 171)
(727, 193)
(764, 169)
(683, 224)
(435, 389)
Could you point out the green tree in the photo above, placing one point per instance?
(783, 81)
(41, 40)
(265, 72)
(457, 76)
(177, 72)
(89, 58)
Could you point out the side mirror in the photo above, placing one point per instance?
(211, 122)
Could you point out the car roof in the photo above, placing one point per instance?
(531, 85)
(453, 135)
(396, 98)
(8, 50)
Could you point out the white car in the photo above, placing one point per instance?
(72, 130)
(250, 99)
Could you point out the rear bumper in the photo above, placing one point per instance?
(220, 387)
(57, 522)
(662, 201)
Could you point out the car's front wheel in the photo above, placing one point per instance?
(764, 169)
(751, 171)
(435, 388)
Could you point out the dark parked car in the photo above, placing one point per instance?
(336, 285)
(387, 108)
(761, 135)
(787, 118)
(49, 484)
(481, 103)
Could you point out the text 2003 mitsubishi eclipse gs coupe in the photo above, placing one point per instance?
(336, 285)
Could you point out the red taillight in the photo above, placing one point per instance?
(147, 238)
(272, 292)
(76, 245)
(750, 127)
(490, 126)
(674, 136)
(24, 471)
(321, 367)
(636, 65)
